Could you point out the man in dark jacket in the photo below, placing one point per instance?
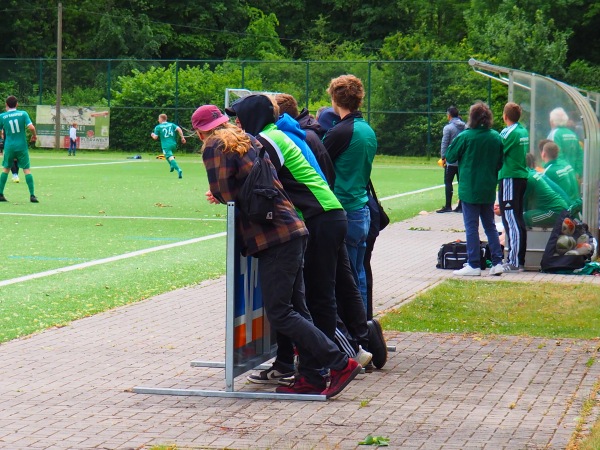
(452, 129)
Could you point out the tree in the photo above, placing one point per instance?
(260, 41)
(509, 38)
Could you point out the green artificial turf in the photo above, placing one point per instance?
(101, 205)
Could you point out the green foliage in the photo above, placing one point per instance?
(584, 75)
(419, 88)
(174, 90)
(261, 40)
(511, 38)
(126, 34)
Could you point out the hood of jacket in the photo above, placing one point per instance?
(308, 122)
(255, 112)
(458, 123)
(289, 125)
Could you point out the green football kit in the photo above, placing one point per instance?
(167, 132)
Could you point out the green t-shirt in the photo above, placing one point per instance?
(539, 195)
(168, 135)
(570, 150)
(14, 123)
(562, 173)
(516, 145)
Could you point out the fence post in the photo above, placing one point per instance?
(243, 74)
(307, 82)
(108, 80)
(428, 108)
(369, 92)
(41, 83)
(176, 91)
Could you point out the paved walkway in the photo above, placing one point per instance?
(70, 388)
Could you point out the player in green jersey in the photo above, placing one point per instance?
(14, 124)
(168, 140)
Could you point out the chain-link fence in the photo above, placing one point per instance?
(405, 101)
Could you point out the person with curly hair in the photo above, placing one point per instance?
(478, 151)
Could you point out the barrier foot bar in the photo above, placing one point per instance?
(228, 394)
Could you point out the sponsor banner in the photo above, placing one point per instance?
(92, 123)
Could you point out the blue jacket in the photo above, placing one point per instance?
(292, 129)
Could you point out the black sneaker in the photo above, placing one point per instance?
(33, 199)
(444, 209)
(272, 375)
(377, 345)
(3, 198)
(458, 209)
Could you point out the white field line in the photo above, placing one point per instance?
(404, 194)
(88, 164)
(97, 262)
(77, 216)
(148, 250)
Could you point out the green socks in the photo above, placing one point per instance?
(29, 181)
(3, 179)
(174, 165)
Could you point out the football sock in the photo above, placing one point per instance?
(29, 181)
(174, 165)
(3, 179)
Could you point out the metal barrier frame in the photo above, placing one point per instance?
(236, 365)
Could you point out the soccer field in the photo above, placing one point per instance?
(110, 231)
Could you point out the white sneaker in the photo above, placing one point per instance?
(363, 357)
(509, 268)
(15, 178)
(468, 271)
(497, 270)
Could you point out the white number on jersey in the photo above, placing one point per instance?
(14, 126)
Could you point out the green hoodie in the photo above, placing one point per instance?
(479, 154)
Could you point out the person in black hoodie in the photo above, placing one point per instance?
(324, 217)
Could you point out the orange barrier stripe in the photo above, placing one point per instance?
(239, 333)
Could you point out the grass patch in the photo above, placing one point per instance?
(508, 308)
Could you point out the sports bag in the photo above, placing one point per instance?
(556, 261)
(379, 218)
(453, 255)
(257, 195)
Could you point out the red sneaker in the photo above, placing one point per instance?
(301, 386)
(341, 378)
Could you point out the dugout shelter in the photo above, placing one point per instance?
(538, 95)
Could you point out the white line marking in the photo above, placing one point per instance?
(88, 164)
(404, 194)
(76, 216)
(108, 260)
(153, 249)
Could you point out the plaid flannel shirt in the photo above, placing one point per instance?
(226, 174)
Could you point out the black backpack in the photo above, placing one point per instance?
(258, 194)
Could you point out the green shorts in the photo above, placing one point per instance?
(22, 157)
(168, 152)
